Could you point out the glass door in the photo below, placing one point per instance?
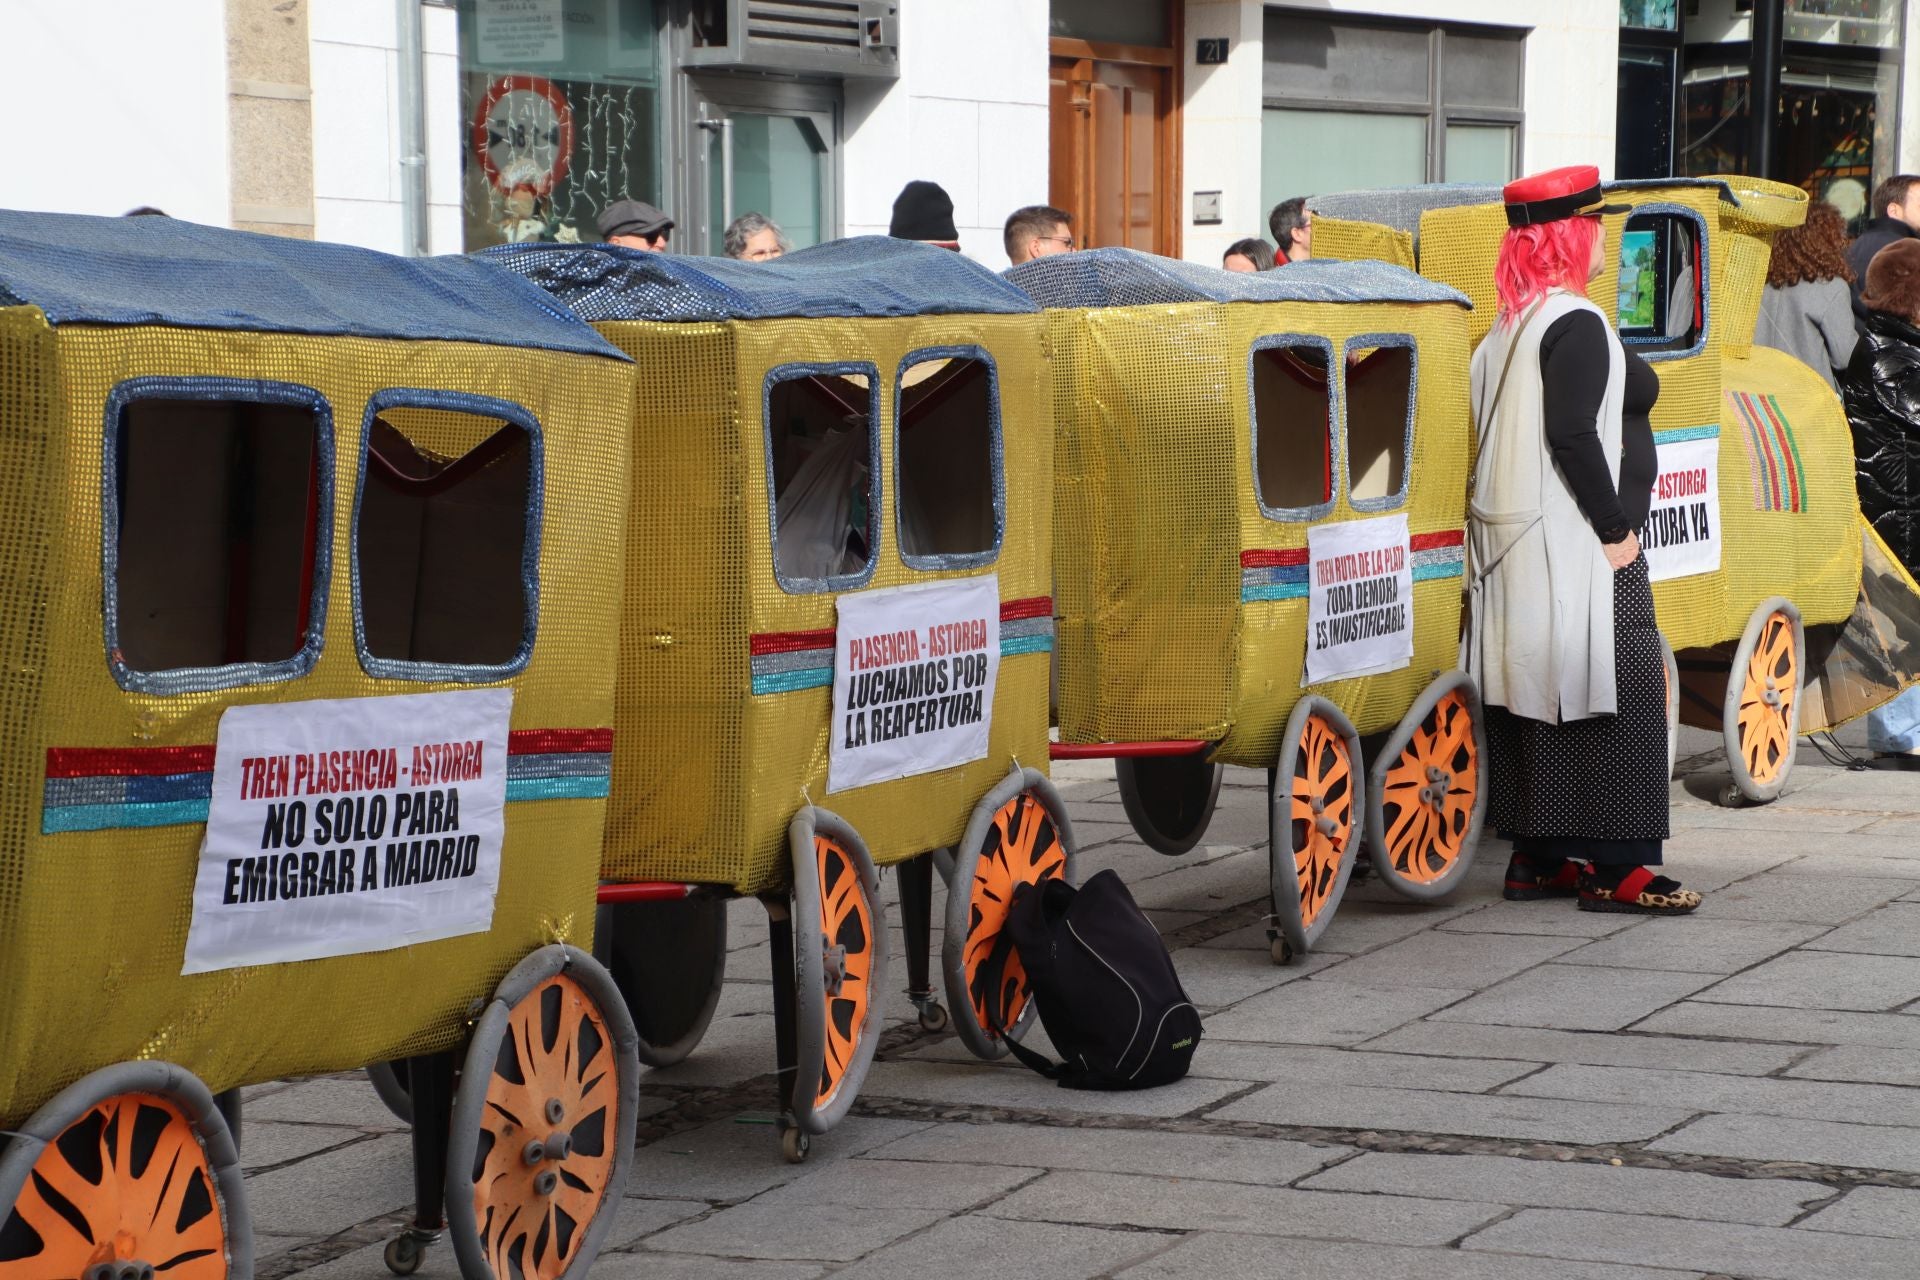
(766, 149)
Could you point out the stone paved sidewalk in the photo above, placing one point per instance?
(1476, 1089)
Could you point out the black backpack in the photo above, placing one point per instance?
(1103, 983)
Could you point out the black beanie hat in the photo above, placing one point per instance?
(922, 211)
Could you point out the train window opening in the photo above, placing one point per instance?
(1292, 428)
(1662, 299)
(443, 574)
(219, 505)
(1379, 411)
(947, 462)
(822, 439)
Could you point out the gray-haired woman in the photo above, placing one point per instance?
(754, 237)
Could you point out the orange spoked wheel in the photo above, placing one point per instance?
(1019, 834)
(1315, 808)
(1762, 718)
(1426, 793)
(840, 966)
(542, 1121)
(128, 1175)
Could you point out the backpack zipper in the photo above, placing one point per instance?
(1139, 1005)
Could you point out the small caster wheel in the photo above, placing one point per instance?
(1731, 797)
(404, 1255)
(1282, 951)
(794, 1145)
(934, 1018)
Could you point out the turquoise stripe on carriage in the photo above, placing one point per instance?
(1675, 435)
(1273, 591)
(1012, 646)
(788, 681)
(1438, 569)
(587, 788)
(55, 819)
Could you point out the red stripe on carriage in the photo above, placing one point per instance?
(1441, 538)
(1272, 559)
(156, 762)
(549, 742)
(789, 641)
(1031, 607)
(127, 762)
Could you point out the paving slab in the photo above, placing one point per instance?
(824, 1232)
(1878, 791)
(334, 1190)
(728, 1160)
(667, 1266)
(1210, 885)
(1862, 1146)
(1431, 1111)
(1772, 1202)
(1359, 925)
(1435, 958)
(1261, 1161)
(1706, 1091)
(1630, 1049)
(1315, 1012)
(1219, 1254)
(1893, 930)
(638, 1216)
(1696, 944)
(1872, 862)
(1815, 900)
(369, 1263)
(1871, 1211)
(1554, 918)
(1306, 1064)
(734, 1049)
(1753, 1253)
(1183, 1204)
(1573, 998)
(267, 1143)
(900, 1184)
(1003, 1247)
(1214, 979)
(1823, 980)
(1782, 818)
(1859, 1062)
(997, 1085)
(1712, 860)
(347, 1100)
(1797, 1026)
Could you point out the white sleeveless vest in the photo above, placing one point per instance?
(1539, 639)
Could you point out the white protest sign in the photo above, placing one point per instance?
(914, 670)
(1359, 598)
(358, 824)
(513, 33)
(1682, 533)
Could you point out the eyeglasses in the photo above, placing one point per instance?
(1060, 240)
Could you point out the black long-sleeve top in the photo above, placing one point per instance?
(1573, 376)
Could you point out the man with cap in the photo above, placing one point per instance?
(1561, 637)
(636, 225)
(923, 211)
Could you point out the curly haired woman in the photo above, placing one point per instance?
(1561, 637)
(1807, 309)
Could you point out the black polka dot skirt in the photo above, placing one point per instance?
(1602, 779)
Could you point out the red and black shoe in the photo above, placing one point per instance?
(1530, 878)
(1634, 891)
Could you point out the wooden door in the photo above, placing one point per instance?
(1114, 129)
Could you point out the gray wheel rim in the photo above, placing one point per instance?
(1672, 666)
(1283, 873)
(1378, 794)
(165, 1079)
(610, 948)
(393, 1095)
(959, 921)
(1136, 779)
(470, 1100)
(810, 971)
(1761, 792)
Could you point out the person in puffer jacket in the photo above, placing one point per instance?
(1881, 387)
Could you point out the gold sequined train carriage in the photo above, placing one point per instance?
(1787, 613)
(308, 601)
(1260, 479)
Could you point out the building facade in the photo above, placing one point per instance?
(1168, 125)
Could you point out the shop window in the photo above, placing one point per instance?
(1292, 427)
(822, 450)
(947, 461)
(1379, 413)
(219, 507)
(1662, 300)
(446, 537)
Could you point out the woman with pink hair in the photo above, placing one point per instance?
(1561, 636)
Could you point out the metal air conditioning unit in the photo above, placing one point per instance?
(847, 38)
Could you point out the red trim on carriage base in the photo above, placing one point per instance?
(647, 891)
(1122, 750)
